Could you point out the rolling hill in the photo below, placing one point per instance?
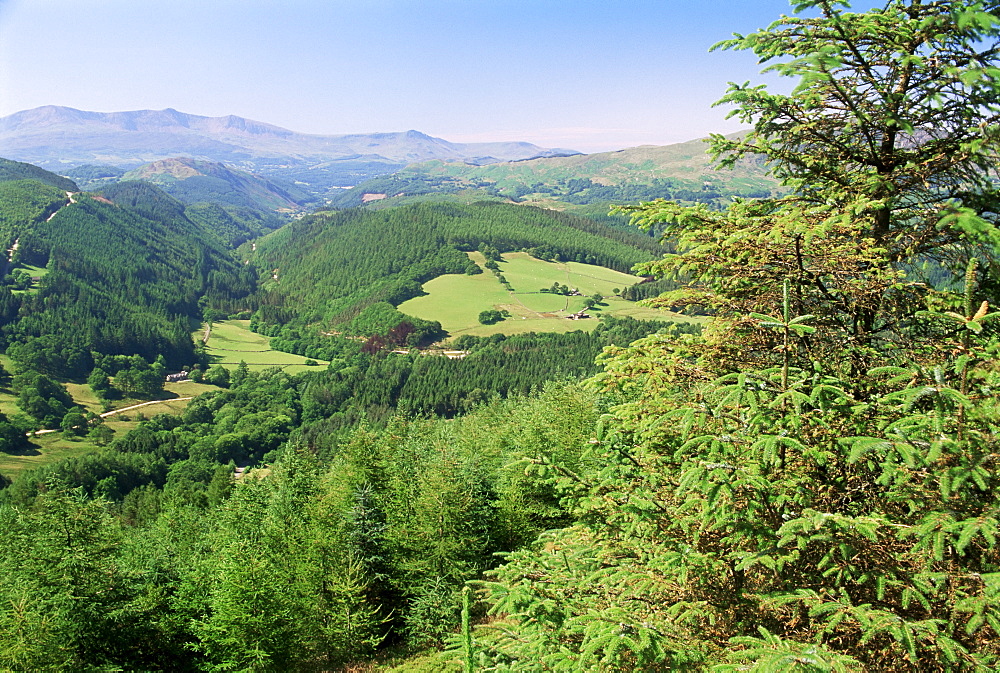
(331, 266)
(16, 170)
(196, 181)
(681, 171)
(234, 204)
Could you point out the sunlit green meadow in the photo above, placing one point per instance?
(456, 300)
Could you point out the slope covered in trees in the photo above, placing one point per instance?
(363, 535)
(330, 266)
(171, 567)
(194, 181)
(15, 170)
(126, 274)
(26, 202)
(234, 225)
(233, 204)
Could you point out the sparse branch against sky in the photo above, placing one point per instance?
(588, 75)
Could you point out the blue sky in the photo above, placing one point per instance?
(580, 74)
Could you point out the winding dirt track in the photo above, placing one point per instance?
(118, 411)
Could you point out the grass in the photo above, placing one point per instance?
(52, 447)
(43, 450)
(232, 342)
(34, 271)
(456, 300)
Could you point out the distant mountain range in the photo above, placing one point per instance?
(60, 137)
(271, 168)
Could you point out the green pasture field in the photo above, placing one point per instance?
(456, 300)
(527, 274)
(51, 447)
(43, 450)
(232, 341)
(35, 271)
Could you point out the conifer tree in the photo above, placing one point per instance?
(811, 485)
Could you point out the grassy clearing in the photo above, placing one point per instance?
(43, 450)
(36, 272)
(457, 300)
(232, 342)
(52, 447)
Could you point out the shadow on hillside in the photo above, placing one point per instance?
(164, 396)
(31, 449)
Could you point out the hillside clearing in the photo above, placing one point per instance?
(232, 342)
(456, 299)
(52, 447)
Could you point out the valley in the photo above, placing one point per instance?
(378, 402)
(369, 294)
(309, 332)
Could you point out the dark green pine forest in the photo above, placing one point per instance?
(805, 484)
(125, 273)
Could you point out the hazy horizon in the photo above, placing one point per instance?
(587, 76)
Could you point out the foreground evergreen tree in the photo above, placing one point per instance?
(811, 485)
(888, 143)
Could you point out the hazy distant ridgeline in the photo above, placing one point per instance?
(400, 165)
(53, 136)
(682, 172)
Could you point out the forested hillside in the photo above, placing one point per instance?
(235, 205)
(352, 441)
(126, 272)
(192, 181)
(23, 203)
(331, 266)
(15, 170)
(91, 177)
(234, 225)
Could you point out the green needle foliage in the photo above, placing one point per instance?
(888, 146)
(809, 486)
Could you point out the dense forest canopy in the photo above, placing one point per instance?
(126, 273)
